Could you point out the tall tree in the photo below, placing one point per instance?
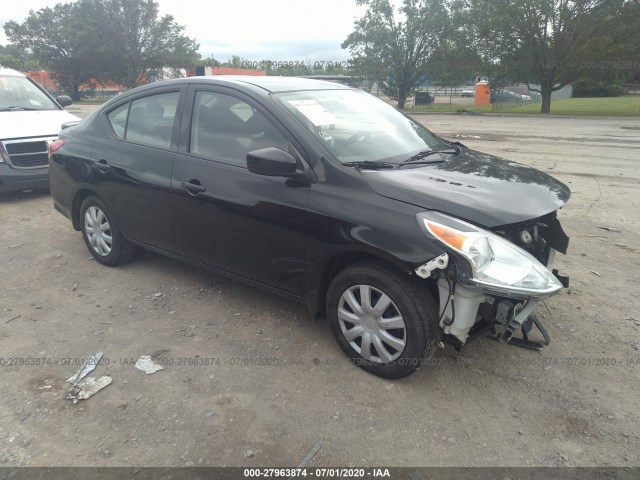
(623, 42)
(16, 58)
(98, 40)
(393, 46)
(145, 42)
(457, 61)
(549, 43)
(66, 39)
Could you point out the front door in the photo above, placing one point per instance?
(225, 216)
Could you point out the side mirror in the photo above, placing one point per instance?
(272, 162)
(64, 100)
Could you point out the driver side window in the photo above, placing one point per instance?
(224, 127)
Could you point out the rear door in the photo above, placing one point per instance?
(133, 164)
(225, 216)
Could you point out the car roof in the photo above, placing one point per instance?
(273, 84)
(10, 72)
(288, 84)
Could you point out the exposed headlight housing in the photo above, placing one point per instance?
(493, 264)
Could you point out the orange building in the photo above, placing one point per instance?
(44, 78)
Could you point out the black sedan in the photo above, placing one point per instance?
(323, 194)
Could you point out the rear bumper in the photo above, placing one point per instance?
(13, 180)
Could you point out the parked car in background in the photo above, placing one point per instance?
(325, 195)
(501, 95)
(30, 119)
(468, 92)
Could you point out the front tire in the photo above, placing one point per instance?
(384, 320)
(102, 235)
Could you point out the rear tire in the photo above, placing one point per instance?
(102, 235)
(384, 320)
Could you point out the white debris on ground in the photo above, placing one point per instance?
(88, 366)
(87, 388)
(147, 365)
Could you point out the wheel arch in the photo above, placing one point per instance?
(338, 262)
(78, 198)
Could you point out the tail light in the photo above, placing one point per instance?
(55, 146)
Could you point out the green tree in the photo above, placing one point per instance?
(457, 60)
(92, 41)
(144, 43)
(236, 62)
(549, 43)
(16, 58)
(623, 43)
(392, 47)
(66, 39)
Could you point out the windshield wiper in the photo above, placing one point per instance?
(417, 158)
(369, 165)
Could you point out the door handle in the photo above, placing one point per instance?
(192, 187)
(102, 166)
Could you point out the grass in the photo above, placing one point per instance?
(603, 107)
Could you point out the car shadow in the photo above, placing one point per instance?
(22, 195)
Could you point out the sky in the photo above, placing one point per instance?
(276, 30)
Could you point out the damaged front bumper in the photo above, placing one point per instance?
(469, 314)
(468, 310)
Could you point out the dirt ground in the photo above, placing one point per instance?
(576, 403)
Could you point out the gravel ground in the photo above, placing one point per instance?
(575, 403)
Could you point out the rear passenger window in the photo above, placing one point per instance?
(151, 119)
(118, 119)
(224, 127)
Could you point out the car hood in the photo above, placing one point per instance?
(483, 189)
(30, 123)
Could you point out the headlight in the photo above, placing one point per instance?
(495, 264)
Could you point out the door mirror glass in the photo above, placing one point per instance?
(64, 100)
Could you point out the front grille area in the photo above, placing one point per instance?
(541, 234)
(21, 148)
(29, 154)
(30, 160)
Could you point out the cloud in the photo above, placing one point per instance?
(306, 50)
(274, 30)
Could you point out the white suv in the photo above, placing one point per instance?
(30, 119)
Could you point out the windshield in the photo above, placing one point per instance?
(356, 126)
(18, 93)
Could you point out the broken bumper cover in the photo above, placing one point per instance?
(466, 309)
(488, 281)
(488, 262)
(469, 314)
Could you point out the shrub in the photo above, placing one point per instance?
(587, 87)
